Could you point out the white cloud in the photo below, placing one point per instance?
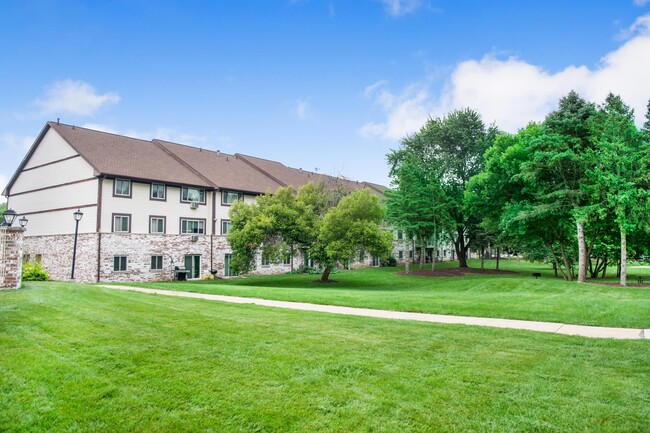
(398, 8)
(166, 134)
(20, 143)
(302, 110)
(100, 127)
(75, 97)
(512, 92)
(641, 2)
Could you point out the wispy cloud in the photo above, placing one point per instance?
(166, 134)
(398, 8)
(512, 92)
(302, 109)
(20, 143)
(641, 2)
(74, 97)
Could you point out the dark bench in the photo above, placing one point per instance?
(537, 274)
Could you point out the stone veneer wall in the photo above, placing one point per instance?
(11, 252)
(55, 254)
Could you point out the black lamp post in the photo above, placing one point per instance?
(23, 221)
(77, 217)
(9, 217)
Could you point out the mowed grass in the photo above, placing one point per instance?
(82, 358)
(512, 296)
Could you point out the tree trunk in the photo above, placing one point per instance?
(604, 267)
(407, 269)
(461, 249)
(482, 257)
(555, 268)
(566, 262)
(582, 253)
(498, 257)
(326, 274)
(623, 258)
(435, 251)
(423, 253)
(555, 261)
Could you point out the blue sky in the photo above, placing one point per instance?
(316, 84)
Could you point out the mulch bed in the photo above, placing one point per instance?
(453, 272)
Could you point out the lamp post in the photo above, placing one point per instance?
(77, 217)
(9, 217)
(23, 221)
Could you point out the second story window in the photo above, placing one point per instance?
(230, 197)
(122, 188)
(195, 227)
(225, 226)
(192, 195)
(158, 191)
(121, 223)
(156, 224)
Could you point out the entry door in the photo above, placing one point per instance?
(193, 266)
(226, 265)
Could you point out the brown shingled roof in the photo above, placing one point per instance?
(117, 155)
(296, 177)
(223, 170)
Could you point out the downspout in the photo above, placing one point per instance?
(214, 205)
(99, 227)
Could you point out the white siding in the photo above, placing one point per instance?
(60, 222)
(140, 207)
(78, 194)
(51, 148)
(59, 173)
(221, 211)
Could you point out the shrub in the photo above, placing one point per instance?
(390, 261)
(34, 272)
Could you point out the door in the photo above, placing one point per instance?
(226, 265)
(193, 266)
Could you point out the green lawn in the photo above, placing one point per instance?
(82, 358)
(518, 296)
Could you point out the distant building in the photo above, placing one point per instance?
(148, 206)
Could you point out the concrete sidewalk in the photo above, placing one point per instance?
(555, 328)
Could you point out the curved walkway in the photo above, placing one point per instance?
(555, 328)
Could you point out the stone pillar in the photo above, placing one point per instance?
(11, 257)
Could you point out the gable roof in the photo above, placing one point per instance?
(115, 155)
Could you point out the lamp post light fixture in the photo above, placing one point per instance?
(9, 217)
(77, 217)
(23, 221)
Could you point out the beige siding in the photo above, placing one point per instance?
(59, 173)
(60, 222)
(78, 194)
(52, 148)
(221, 211)
(141, 207)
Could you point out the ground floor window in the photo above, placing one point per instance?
(401, 254)
(265, 260)
(286, 260)
(156, 263)
(119, 263)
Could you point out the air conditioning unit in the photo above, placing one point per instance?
(194, 205)
(195, 238)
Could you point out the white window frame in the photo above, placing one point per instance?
(230, 197)
(228, 225)
(185, 195)
(151, 225)
(122, 194)
(117, 228)
(201, 226)
(156, 258)
(164, 191)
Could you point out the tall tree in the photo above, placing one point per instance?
(454, 146)
(618, 168)
(558, 165)
(416, 204)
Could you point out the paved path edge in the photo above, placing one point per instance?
(550, 327)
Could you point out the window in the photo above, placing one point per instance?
(119, 263)
(192, 195)
(121, 223)
(192, 227)
(156, 263)
(362, 256)
(158, 191)
(400, 235)
(225, 226)
(265, 260)
(286, 260)
(411, 254)
(156, 224)
(230, 197)
(401, 254)
(122, 188)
